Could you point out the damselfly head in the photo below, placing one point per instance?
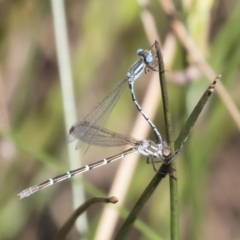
(165, 149)
(149, 58)
(150, 148)
(147, 55)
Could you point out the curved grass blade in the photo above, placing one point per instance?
(66, 228)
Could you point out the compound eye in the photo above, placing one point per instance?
(139, 51)
(149, 58)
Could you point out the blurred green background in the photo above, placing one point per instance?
(103, 39)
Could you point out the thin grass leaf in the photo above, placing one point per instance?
(194, 116)
(174, 211)
(127, 225)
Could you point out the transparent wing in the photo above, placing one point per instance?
(97, 117)
(100, 136)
